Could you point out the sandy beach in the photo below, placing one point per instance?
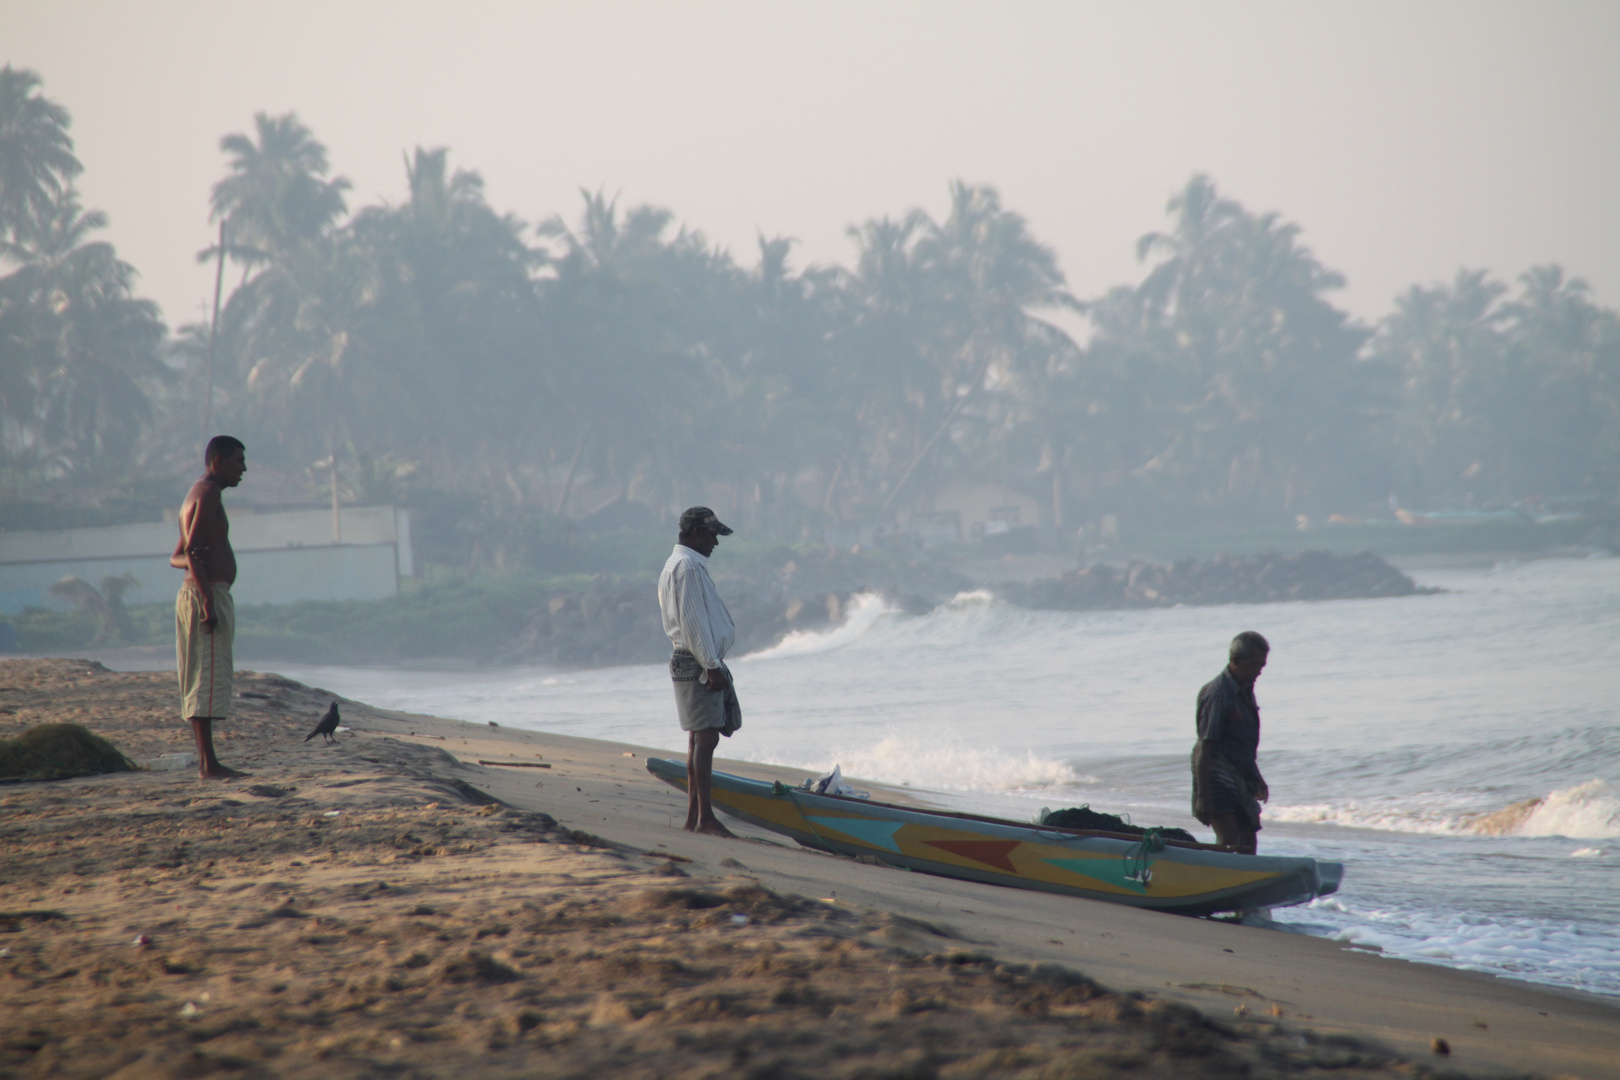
(431, 898)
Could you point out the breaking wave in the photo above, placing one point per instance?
(865, 611)
(896, 761)
(1589, 811)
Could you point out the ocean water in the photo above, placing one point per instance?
(1395, 733)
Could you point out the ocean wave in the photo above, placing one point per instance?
(1589, 811)
(1381, 815)
(865, 610)
(894, 760)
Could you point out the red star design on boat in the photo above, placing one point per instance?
(990, 852)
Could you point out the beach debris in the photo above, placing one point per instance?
(1440, 1046)
(1240, 1010)
(516, 764)
(57, 752)
(332, 813)
(270, 791)
(832, 784)
(493, 724)
(327, 725)
(189, 1009)
(627, 754)
(142, 941)
(739, 919)
(1482, 1025)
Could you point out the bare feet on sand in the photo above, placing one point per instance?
(712, 827)
(221, 772)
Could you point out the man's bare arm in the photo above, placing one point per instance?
(206, 512)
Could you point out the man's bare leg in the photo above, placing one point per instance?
(691, 783)
(699, 775)
(1233, 832)
(208, 765)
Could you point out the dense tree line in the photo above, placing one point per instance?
(440, 349)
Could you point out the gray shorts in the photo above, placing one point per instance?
(699, 707)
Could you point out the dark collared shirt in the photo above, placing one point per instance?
(1229, 720)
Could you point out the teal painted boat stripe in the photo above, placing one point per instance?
(877, 833)
(1111, 871)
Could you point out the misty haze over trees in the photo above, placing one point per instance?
(458, 359)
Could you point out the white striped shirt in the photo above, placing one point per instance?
(695, 618)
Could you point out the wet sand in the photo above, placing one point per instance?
(388, 906)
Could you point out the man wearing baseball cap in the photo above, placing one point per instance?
(700, 629)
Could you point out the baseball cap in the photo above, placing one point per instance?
(701, 517)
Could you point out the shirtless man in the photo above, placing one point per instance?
(204, 617)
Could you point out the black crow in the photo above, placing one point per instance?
(328, 724)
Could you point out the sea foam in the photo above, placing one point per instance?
(1562, 952)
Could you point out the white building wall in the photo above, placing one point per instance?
(281, 557)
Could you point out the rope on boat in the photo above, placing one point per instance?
(1138, 857)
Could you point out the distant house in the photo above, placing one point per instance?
(973, 512)
(281, 557)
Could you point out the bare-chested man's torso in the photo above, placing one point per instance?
(204, 548)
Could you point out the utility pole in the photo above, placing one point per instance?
(337, 516)
(213, 334)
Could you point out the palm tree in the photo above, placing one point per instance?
(631, 312)
(942, 311)
(37, 165)
(1253, 371)
(453, 319)
(277, 194)
(77, 344)
(287, 326)
(1448, 347)
(101, 341)
(1566, 355)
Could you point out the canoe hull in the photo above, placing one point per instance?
(1181, 878)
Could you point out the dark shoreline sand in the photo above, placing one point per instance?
(387, 907)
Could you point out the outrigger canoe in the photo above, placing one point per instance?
(1145, 872)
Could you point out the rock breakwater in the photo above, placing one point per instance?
(1226, 579)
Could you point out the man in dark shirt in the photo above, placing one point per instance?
(1227, 786)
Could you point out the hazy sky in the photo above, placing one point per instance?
(1407, 138)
